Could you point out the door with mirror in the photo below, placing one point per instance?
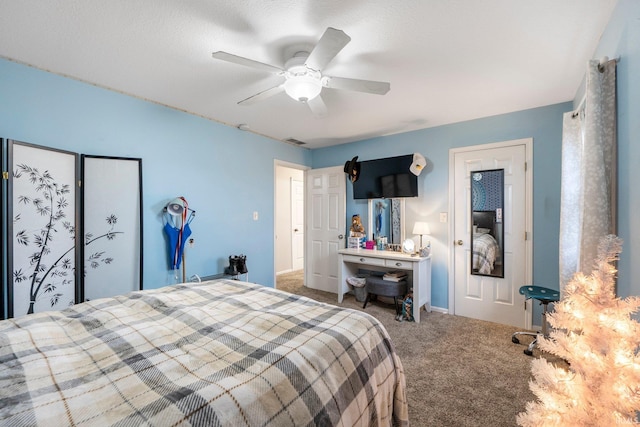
(490, 258)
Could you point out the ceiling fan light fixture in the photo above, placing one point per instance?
(303, 87)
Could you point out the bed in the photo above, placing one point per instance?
(217, 353)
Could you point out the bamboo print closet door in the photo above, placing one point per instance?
(112, 226)
(42, 212)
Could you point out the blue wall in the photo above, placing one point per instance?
(225, 174)
(544, 125)
(621, 40)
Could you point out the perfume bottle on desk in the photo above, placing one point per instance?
(381, 243)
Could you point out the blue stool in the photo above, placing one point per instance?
(545, 296)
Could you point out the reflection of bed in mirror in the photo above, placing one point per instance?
(487, 254)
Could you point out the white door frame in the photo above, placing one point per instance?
(528, 143)
(290, 165)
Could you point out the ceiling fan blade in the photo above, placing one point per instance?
(368, 86)
(317, 106)
(331, 42)
(262, 95)
(224, 56)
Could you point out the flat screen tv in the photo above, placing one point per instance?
(389, 178)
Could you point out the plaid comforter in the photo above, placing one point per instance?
(220, 353)
(485, 252)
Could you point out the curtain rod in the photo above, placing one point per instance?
(604, 60)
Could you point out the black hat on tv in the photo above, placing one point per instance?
(352, 168)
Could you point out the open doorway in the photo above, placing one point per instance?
(289, 225)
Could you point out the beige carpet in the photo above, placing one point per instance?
(460, 371)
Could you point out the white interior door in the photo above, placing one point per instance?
(297, 224)
(490, 298)
(325, 226)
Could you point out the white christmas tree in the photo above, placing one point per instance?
(593, 331)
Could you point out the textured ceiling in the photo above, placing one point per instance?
(447, 61)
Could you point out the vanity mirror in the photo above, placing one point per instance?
(386, 219)
(487, 227)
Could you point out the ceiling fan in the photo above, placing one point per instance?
(303, 73)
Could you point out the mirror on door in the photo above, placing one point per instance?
(385, 220)
(487, 227)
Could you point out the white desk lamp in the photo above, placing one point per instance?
(422, 228)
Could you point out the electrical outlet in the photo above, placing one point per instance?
(443, 217)
(191, 242)
(255, 215)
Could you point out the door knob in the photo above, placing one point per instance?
(341, 237)
(459, 242)
(295, 230)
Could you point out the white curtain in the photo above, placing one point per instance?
(589, 184)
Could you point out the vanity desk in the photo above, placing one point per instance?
(418, 269)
